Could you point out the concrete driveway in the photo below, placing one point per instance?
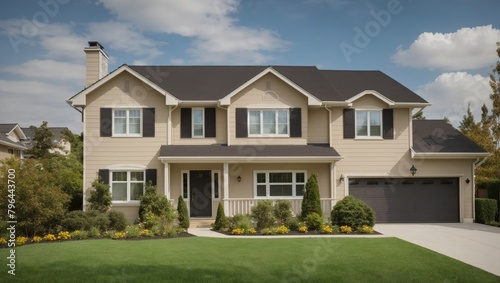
(474, 244)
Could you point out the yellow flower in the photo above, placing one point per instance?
(251, 231)
(282, 230)
(63, 235)
(303, 229)
(345, 229)
(238, 231)
(21, 240)
(367, 229)
(3, 241)
(49, 237)
(326, 229)
(36, 239)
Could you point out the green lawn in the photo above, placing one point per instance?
(237, 260)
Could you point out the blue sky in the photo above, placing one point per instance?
(442, 50)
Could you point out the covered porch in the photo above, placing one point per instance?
(240, 176)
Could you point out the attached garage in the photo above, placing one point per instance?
(411, 200)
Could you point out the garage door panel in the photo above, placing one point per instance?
(410, 200)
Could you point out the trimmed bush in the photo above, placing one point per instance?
(100, 196)
(486, 210)
(75, 220)
(182, 210)
(314, 221)
(117, 220)
(352, 212)
(221, 220)
(262, 213)
(283, 211)
(311, 200)
(157, 204)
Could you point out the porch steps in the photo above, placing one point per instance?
(200, 223)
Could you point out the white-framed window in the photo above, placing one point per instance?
(127, 122)
(368, 123)
(279, 184)
(269, 122)
(185, 184)
(215, 184)
(127, 186)
(198, 122)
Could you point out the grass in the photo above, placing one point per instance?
(237, 260)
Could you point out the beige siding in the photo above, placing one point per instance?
(4, 152)
(220, 128)
(318, 125)
(255, 96)
(103, 152)
(92, 63)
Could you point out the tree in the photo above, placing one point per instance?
(468, 123)
(39, 201)
(221, 220)
(183, 213)
(495, 98)
(100, 196)
(43, 142)
(76, 142)
(152, 202)
(419, 115)
(311, 202)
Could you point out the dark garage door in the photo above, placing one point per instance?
(415, 200)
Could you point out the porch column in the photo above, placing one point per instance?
(226, 188)
(333, 183)
(166, 179)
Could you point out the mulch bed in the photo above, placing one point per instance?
(297, 233)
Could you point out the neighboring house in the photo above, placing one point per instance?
(11, 137)
(63, 146)
(239, 134)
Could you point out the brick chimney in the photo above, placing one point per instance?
(96, 62)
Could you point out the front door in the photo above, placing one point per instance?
(200, 187)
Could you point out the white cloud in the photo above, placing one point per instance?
(48, 70)
(451, 93)
(123, 37)
(465, 49)
(217, 37)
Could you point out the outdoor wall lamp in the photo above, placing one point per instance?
(413, 170)
(238, 179)
(467, 181)
(341, 180)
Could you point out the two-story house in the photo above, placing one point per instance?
(11, 141)
(239, 134)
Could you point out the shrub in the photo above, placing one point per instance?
(183, 213)
(79, 234)
(251, 231)
(221, 220)
(49, 237)
(117, 220)
(165, 226)
(486, 210)
(326, 229)
(282, 230)
(118, 235)
(3, 241)
(63, 235)
(314, 221)
(493, 188)
(244, 222)
(238, 231)
(268, 231)
(303, 229)
(157, 204)
(345, 229)
(36, 239)
(100, 197)
(311, 200)
(94, 232)
(133, 231)
(75, 220)
(146, 233)
(283, 211)
(262, 213)
(99, 220)
(366, 229)
(293, 223)
(21, 240)
(352, 212)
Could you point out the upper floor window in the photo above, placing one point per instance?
(127, 186)
(368, 123)
(127, 122)
(269, 122)
(198, 121)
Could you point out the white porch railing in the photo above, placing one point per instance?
(244, 205)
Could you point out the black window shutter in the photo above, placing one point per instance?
(210, 122)
(388, 124)
(241, 123)
(295, 122)
(104, 174)
(185, 122)
(148, 122)
(151, 176)
(349, 127)
(106, 121)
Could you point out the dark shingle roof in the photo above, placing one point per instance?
(217, 150)
(215, 82)
(437, 136)
(56, 131)
(351, 83)
(6, 128)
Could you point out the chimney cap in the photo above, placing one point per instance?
(95, 44)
